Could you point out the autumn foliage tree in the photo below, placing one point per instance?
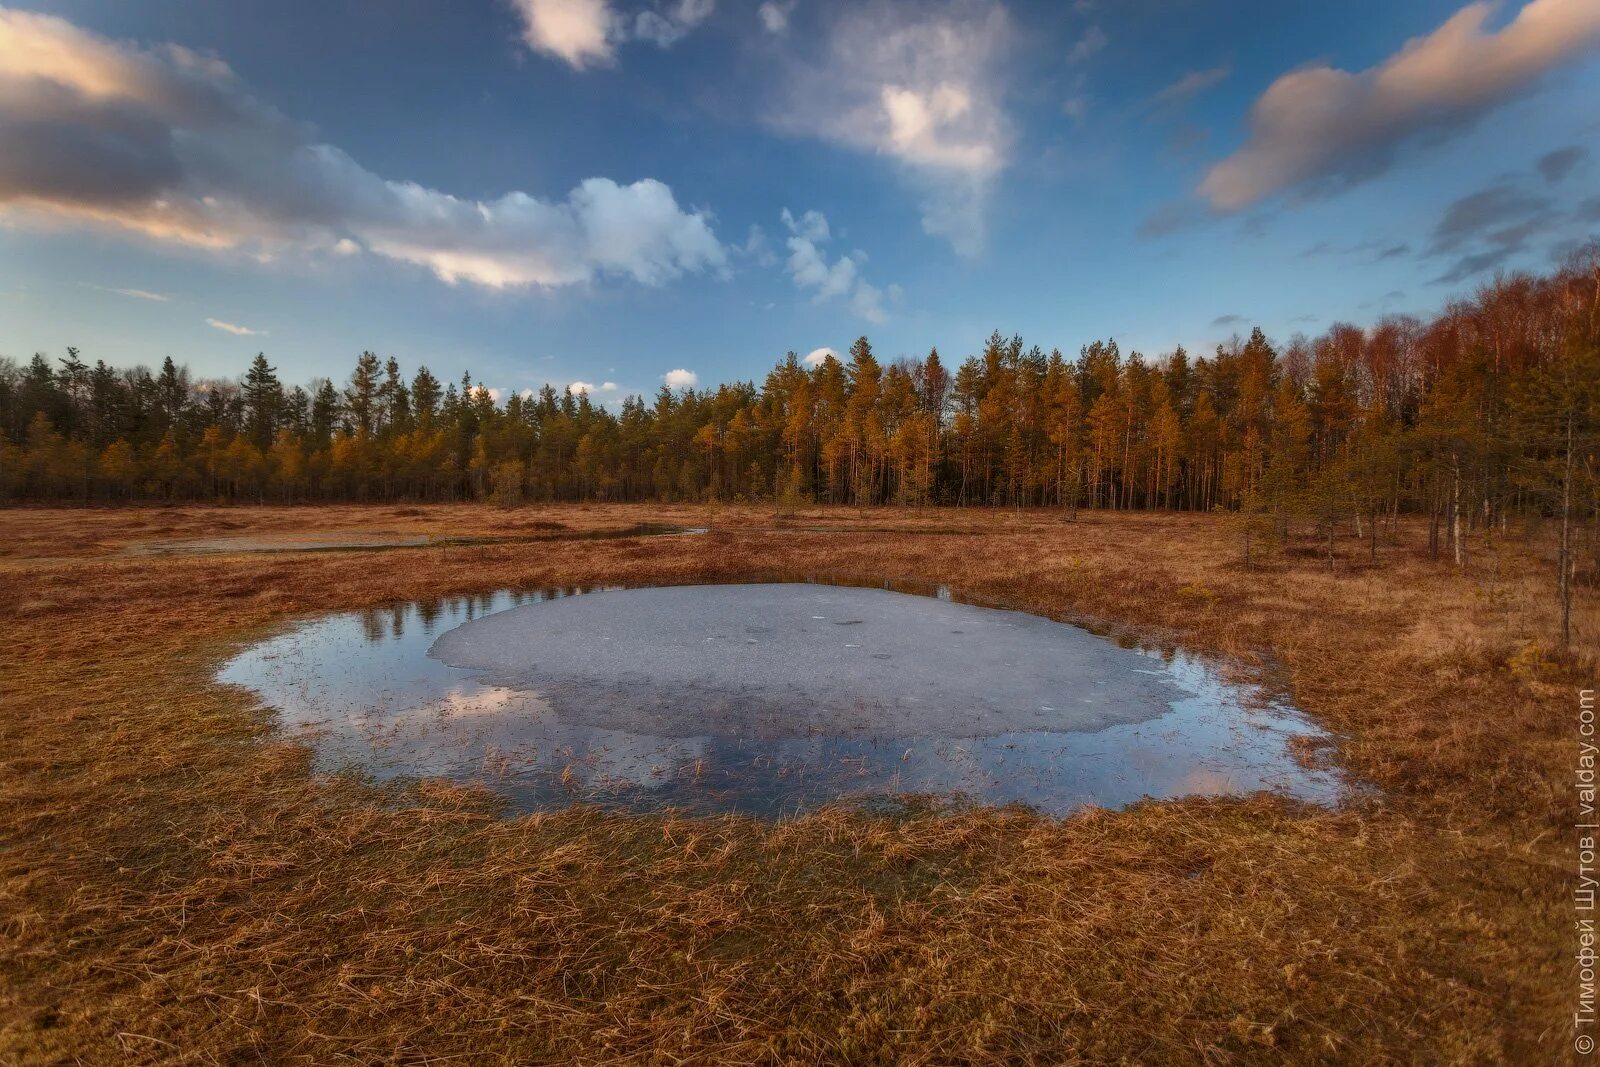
(1485, 412)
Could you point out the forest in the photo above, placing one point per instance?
(1489, 411)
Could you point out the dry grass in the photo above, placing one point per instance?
(39, 534)
(177, 887)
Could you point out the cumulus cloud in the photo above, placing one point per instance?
(812, 271)
(170, 144)
(816, 356)
(919, 84)
(586, 33)
(1324, 128)
(234, 328)
(1193, 84)
(581, 387)
(577, 31)
(680, 378)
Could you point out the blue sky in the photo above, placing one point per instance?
(606, 191)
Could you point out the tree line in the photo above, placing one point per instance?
(1487, 411)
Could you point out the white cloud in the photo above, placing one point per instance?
(815, 357)
(813, 225)
(1329, 128)
(774, 15)
(919, 84)
(586, 33)
(1094, 39)
(235, 329)
(171, 145)
(680, 378)
(589, 388)
(346, 247)
(580, 32)
(809, 267)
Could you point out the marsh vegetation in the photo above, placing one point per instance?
(182, 875)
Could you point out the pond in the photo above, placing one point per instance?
(770, 699)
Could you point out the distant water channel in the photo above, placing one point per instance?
(336, 541)
(769, 700)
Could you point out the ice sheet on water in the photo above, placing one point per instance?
(768, 699)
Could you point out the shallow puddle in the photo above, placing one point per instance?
(769, 699)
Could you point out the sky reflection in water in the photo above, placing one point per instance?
(361, 687)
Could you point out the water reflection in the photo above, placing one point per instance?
(363, 689)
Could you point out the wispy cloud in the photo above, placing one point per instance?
(1487, 212)
(1320, 128)
(1372, 250)
(673, 22)
(1555, 166)
(138, 294)
(1194, 83)
(1094, 40)
(774, 15)
(1485, 229)
(170, 144)
(920, 84)
(234, 328)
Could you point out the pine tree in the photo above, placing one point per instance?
(263, 401)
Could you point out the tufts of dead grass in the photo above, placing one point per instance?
(175, 886)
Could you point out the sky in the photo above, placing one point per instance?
(614, 195)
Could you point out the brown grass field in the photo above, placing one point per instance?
(176, 886)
